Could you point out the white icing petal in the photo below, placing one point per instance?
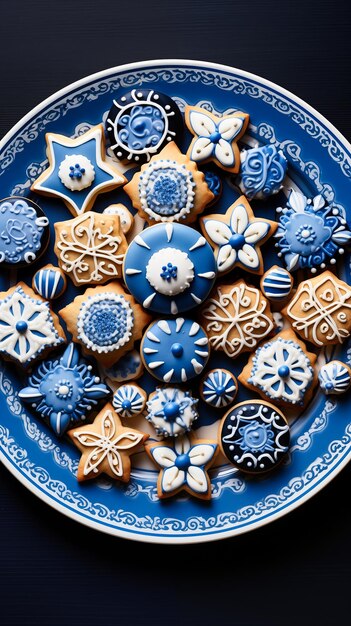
(172, 479)
(256, 231)
(248, 256)
(197, 479)
(230, 127)
(164, 456)
(218, 232)
(224, 153)
(201, 454)
(239, 219)
(202, 149)
(182, 445)
(202, 124)
(226, 258)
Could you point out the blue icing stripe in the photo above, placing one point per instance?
(219, 388)
(22, 229)
(49, 282)
(175, 350)
(169, 268)
(277, 283)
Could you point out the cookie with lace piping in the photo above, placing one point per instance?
(282, 371)
(24, 232)
(106, 321)
(106, 446)
(171, 411)
(90, 248)
(184, 463)
(169, 188)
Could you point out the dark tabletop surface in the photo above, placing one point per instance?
(293, 571)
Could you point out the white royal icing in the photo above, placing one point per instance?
(76, 184)
(125, 216)
(214, 139)
(93, 339)
(170, 281)
(334, 378)
(146, 185)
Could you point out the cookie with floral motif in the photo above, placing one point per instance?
(237, 236)
(282, 371)
(184, 463)
(29, 329)
(90, 248)
(106, 446)
(106, 321)
(169, 188)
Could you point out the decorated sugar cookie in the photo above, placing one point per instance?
(169, 188)
(49, 282)
(262, 172)
(218, 388)
(334, 378)
(184, 464)
(106, 321)
(77, 170)
(106, 446)
(24, 232)
(169, 268)
(254, 436)
(281, 370)
(171, 411)
(141, 122)
(90, 248)
(320, 310)
(129, 400)
(175, 350)
(237, 237)
(236, 318)
(28, 327)
(125, 216)
(311, 234)
(276, 284)
(64, 391)
(215, 138)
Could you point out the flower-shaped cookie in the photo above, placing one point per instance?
(28, 328)
(236, 318)
(237, 236)
(106, 446)
(77, 170)
(320, 310)
(90, 248)
(169, 188)
(310, 234)
(215, 138)
(64, 390)
(171, 411)
(106, 321)
(184, 464)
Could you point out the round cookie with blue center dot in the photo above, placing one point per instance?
(141, 122)
(169, 268)
(254, 436)
(129, 400)
(24, 232)
(175, 350)
(171, 411)
(218, 388)
(334, 377)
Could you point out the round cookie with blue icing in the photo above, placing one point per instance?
(311, 234)
(171, 411)
(129, 400)
(63, 391)
(141, 122)
(218, 388)
(262, 172)
(175, 350)
(254, 436)
(24, 232)
(49, 282)
(276, 284)
(334, 378)
(169, 268)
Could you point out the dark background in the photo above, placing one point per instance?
(297, 569)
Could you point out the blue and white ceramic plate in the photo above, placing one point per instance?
(319, 162)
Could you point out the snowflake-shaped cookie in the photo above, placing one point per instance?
(171, 411)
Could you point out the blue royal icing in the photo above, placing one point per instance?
(219, 388)
(171, 411)
(64, 390)
(214, 183)
(334, 378)
(169, 290)
(22, 228)
(128, 400)
(105, 322)
(49, 282)
(262, 172)
(255, 436)
(310, 234)
(175, 350)
(128, 367)
(276, 284)
(166, 189)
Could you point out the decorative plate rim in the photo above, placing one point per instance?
(326, 479)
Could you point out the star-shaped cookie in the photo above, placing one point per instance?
(106, 446)
(77, 170)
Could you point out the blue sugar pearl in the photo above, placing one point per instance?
(220, 390)
(177, 350)
(283, 371)
(126, 405)
(21, 327)
(237, 241)
(182, 462)
(215, 137)
(171, 411)
(329, 386)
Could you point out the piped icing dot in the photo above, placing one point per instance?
(177, 350)
(76, 172)
(21, 327)
(283, 371)
(182, 462)
(236, 241)
(171, 411)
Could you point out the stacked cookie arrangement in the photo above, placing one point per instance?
(168, 285)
